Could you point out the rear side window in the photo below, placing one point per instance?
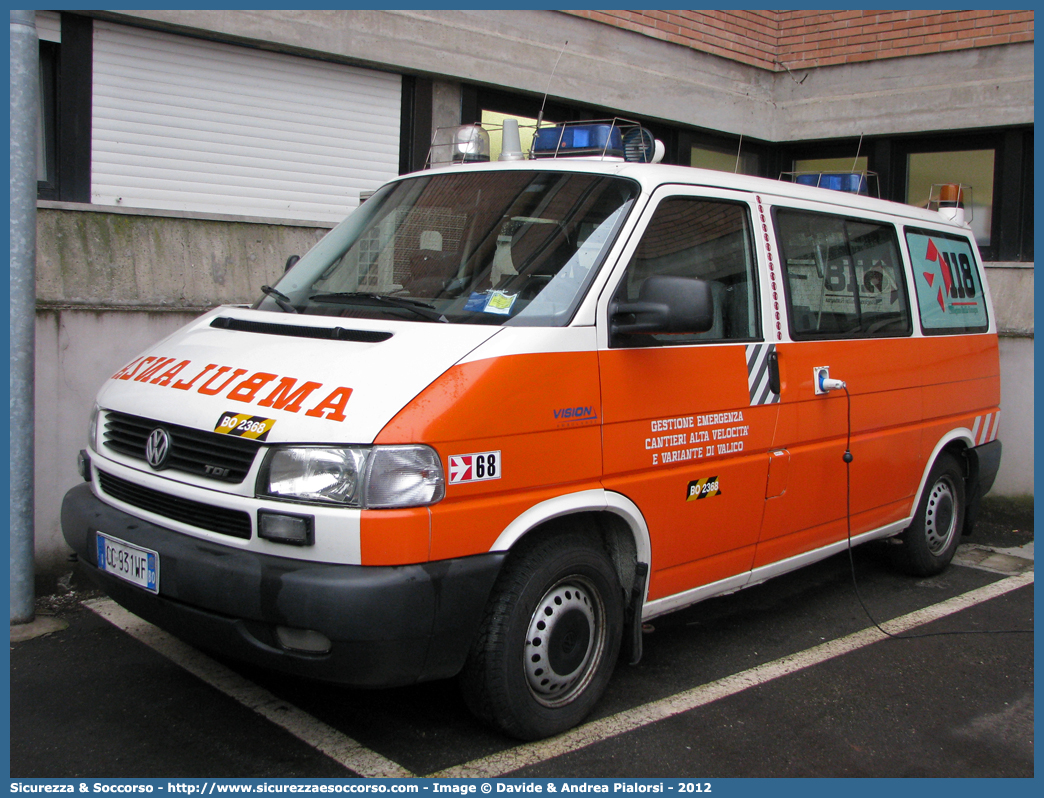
(843, 276)
(949, 290)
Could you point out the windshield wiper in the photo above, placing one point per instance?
(279, 298)
(422, 309)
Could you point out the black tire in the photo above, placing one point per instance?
(549, 639)
(929, 543)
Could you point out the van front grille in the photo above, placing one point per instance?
(226, 458)
(234, 523)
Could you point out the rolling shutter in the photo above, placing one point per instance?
(191, 125)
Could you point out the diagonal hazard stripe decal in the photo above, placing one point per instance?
(703, 488)
(244, 425)
(758, 374)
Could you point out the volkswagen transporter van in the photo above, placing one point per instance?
(508, 411)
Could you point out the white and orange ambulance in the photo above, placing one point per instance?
(507, 411)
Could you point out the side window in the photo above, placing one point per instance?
(843, 277)
(949, 289)
(705, 239)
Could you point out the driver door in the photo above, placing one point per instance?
(688, 419)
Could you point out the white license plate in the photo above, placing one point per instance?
(134, 564)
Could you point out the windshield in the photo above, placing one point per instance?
(510, 247)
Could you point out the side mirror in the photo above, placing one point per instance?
(290, 262)
(665, 305)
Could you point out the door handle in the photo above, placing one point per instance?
(773, 369)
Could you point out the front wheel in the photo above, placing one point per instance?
(930, 542)
(549, 640)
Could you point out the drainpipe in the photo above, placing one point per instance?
(25, 100)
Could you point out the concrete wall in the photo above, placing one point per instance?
(111, 283)
(947, 91)
(780, 40)
(641, 75)
(76, 351)
(445, 104)
(1015, 477)
(105, 257)
(1011, 288)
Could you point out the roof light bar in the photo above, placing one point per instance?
(598, 139)
(610, 139)
(848, 182)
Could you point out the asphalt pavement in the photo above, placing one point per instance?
(786, 679)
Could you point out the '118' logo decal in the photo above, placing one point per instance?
(958, 281)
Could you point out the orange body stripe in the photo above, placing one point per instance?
(906, 394)
(507, 404)
(395, 537)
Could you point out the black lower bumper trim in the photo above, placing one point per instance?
(988, 458)
(388, 625)
(984, 462)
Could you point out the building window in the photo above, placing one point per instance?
(974, 168)
(493, 121)
(723, 159)
(46, 131)
(492, 106)
(817, 170)
(998, 165)
(64, 137)
(859, 164)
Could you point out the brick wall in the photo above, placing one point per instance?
(776, 40)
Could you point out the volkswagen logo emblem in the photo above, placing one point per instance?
(157, 447)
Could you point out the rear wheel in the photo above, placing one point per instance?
(549, 641)
(931, 540)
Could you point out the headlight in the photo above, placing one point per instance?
(370, 477)
(404, 476)
(314, 474)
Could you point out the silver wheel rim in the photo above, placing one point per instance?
(940, 516)
(565, 641)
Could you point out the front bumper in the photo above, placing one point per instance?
(388, 625)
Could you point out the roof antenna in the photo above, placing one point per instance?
(739, 149)
(859, 149)
(540, 116)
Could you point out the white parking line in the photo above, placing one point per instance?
(512, 759)
(303, 726)
(368, 763)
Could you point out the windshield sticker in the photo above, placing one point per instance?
(702, 489)
(236, 384)
(244, 425)
(499, 302)
(477, 467)
(476, 302)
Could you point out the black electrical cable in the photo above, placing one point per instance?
(847, 457)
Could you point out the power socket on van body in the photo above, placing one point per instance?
(822, 382)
